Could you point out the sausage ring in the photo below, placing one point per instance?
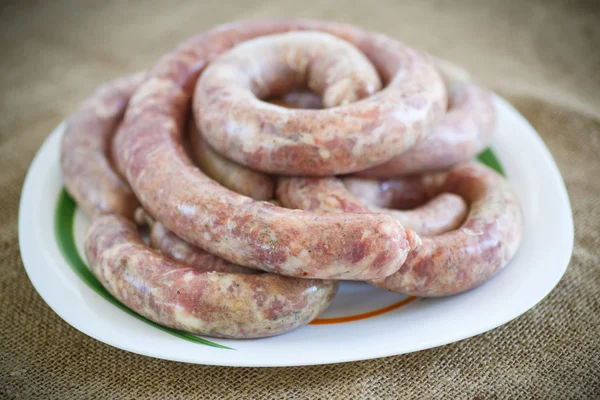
(191, 142)
(348, 135)
(228, 305)
(441, 214)
(464, 131)
(87, 172)
(466, 257)
(463, 258)
(235, 227)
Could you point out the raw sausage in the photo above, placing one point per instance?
(178, 250)
(464, 132)
(441, 214)
(86, 167)
(233, 176)
(235, 227)
(227, 305)
(350, 136)
(464, 258)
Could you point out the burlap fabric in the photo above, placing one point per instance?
(544, 56)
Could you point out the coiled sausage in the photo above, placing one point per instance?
(234, 227)
(227, 305)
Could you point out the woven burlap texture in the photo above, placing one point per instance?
(543, 56)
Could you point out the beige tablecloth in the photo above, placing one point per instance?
(543, 55)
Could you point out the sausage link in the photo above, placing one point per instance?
(441, 214)
(178, 250)
(350, 136)
(463, 258)
(86, 167)
(228, 305)
(484, 244)
(115, 152)
(233, 176)
(232, 226)
(464, 132)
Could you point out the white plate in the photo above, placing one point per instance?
(424, 323)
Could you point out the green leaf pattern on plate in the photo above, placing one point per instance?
(63, 230)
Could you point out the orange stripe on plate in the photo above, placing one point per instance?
(339, 320)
